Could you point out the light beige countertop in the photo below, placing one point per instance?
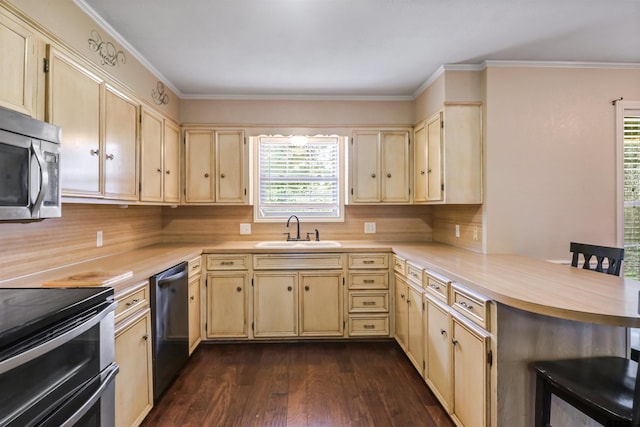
(525, 283)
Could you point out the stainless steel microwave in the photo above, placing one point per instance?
(29, 168)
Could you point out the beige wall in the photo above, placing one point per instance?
(550, 157)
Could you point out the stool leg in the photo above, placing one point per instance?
(543, 403)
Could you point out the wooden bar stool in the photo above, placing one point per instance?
(604, 388)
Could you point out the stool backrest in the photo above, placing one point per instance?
(614, 257)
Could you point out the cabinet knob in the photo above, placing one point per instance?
(443, 332)
(222, 175)
(388, 175)
(239, 289)
(168, 172)
(289, 288)
(373, 175)
(206, 175)
(306, 288)
(192, 297)
(159, 170)
(421, 172)
(429, 171)
(132, 302)
(145, 337)
(110, 156)
(402, 296)
(454, 342)
(95, 152)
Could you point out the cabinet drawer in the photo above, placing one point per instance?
(130, 301)
(374, 301)
(473, 306)
(369, 280)
(227, 262)
(437, 286)
(368, 261)
(399, 265)
(373, 325)
(414, 273)
(297, 261)
(195, 266)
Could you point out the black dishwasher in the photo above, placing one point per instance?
(169, 325)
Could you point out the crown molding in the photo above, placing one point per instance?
(559, 64)
(301, 97)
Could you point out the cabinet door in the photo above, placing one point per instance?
(401, 311)
(18, 67)
(152, 152)
(438, 351)
(395, 167)
(199, 166)
(275, 304)
(121, 146)
(194, 313)
(415, 343)
(470, 379)
(230, 169)
(134, 391)
(434, 158)
(171, 162)
(420, 166)
(227, 304)
(74, 95)
(321, 304)
(365, 167)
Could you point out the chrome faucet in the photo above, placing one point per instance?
(298, 228)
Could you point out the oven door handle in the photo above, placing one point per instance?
(55, 342)
(86, 406)
(44, 181)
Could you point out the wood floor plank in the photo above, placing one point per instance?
(298, 384)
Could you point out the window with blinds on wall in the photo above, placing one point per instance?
(632, 196)
(299, 175)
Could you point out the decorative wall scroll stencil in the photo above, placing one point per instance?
(159, 96)
(107, 50)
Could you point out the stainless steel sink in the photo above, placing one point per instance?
(297, 244)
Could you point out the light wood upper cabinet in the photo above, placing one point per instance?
(216, 166)
(74, 96)
(152, 151)
(121, 146)
(448, 156)
(18, 68)
(427, 175)
(171, 162)
(380, 167)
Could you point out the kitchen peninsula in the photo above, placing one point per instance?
(536, 309)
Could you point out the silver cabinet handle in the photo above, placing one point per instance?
(465, 305)
(110, 156)
(95, 152)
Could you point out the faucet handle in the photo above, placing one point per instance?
(317, 235)
(288, 236)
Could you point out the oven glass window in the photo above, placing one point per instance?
(32, 390)
(14, 164)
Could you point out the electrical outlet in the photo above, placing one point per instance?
(369, 227)
(457, 230)
(475, 233)
(99, 239)
(245, 228)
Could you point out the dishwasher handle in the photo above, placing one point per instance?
(174, 277)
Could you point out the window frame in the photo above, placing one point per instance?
(257, 217)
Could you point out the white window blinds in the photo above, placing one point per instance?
(299, 176)
(632, 196)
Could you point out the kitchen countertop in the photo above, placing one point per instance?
(525, 283)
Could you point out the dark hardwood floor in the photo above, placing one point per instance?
(347, 383)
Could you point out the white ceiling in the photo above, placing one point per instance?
(356, 48)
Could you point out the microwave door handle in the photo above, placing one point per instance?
(44, 180)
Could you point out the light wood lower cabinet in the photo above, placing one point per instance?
(290, 303)
(401, 311)
(368, 294)
(227, 304)
(195, 311)
(437, 350)
(415, 337)
(134, 386)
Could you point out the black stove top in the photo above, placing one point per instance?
(24, 311)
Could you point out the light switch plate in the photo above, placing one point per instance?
(369, 227)
(245, 228)
(99, 239)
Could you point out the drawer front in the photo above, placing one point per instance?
(132, 300)
(471, 305)
(399, 265)
(438, 287)
(195, 266)
(368, 280)
(298, 261)
(368, 302)
(228, 262)
(373, 260)
(414, 273)
(373, 325)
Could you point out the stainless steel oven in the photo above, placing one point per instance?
(29, 168)
(57, 357)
